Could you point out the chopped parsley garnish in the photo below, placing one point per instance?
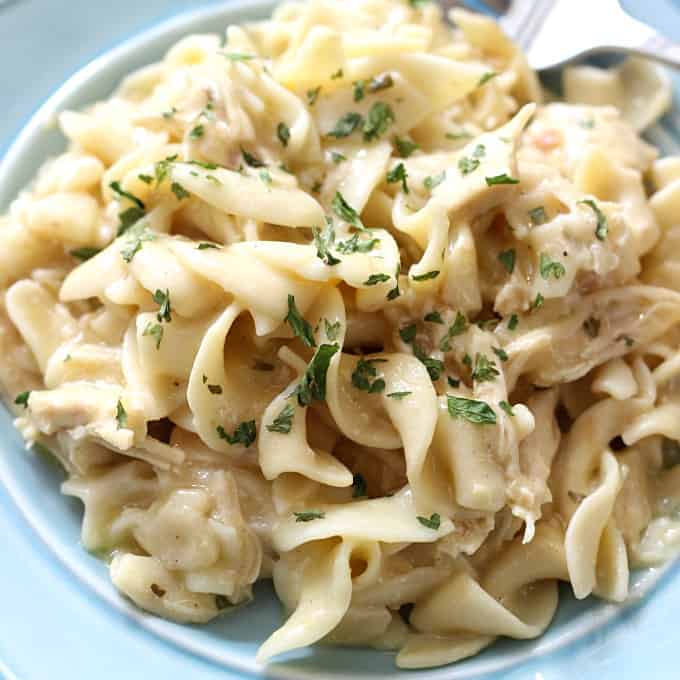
(375, 279)
(207, 246)
(283, 133)
(381, 82)
(312, 95)
(128, 218)
(238, 56)
(312, 387)
(500, 353)
(537, 303)
(512, 323)
(486, 78)
(215, 389)
(378, 120)
(587, 124)
(137, 236)
(500, 179)
(359, 485)
(121, 416)
(507, 259)
(398, 174)
(591, 326)
(398, 395)
(337, 158)
(408, 333)
(434, 317)
(467, 165)
(245, 433)
(332, 330)
(359, 90)
(477, 412)
(549, 267)
(179, 191)
(602, 225)
(463, 134)
(364, 372)
(458, 326)
(163, 299)
(346, 125)
(506, 407)
(169, 114)
(484, 370)
(431, 522)
(121, 193)
(154, 330)
(197, 132)
(467, 360)
(427, 276)
(337, 75)
(147, 179)
(434, 367)
(394, 293)
(405, 147)
(283, 423)
(323, 240)
(205, 166)
(265, 178)
(479, 151)
(85, 253)
(308, 515)
(538, 215)
(251, 160)
(300, 327)
(453, 382)
(345, 211)
(432, 181)
(627, 339)
(162, 169)
(353, 245)
(22, 399)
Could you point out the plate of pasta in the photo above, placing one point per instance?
(339, 345)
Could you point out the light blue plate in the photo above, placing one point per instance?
(59, 616)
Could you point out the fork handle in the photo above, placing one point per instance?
(661, 49)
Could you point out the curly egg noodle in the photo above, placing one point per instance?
(341, 303)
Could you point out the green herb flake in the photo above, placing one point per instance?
(359, 90)
(155, 331)
(477, 412)
(405, 147)
(238, 56)
(428, 276)
(434, 317)
(300, 327)
(346, 125)
(252, 160)
(197, 132)
(381, 82)
(549, 267)
(85, 253)
(602, 227)
(312, 387)
(394, 293)
(358, 486)
(338, 158)
(147, 179)
(378, 120)
(433, 181)
(22, 399)
(538, 216)
(458, 136)
(453, 382)
(506, 407)
(283, 133)
(398, 395)
(363, 374)
(354, 245)
(500, 179)
(121, 193)
(337, 75)
(627, 339)
(313, 95)
(408, 333)
(179, 191)
(500, 353)
(265, 178)
(207, 246)
(163, 299)
(467, 165)
(433, 522)
(458, 327)
(507, 259)
(308, 515)
(162, 169)
(587, 124)
(486, 78)
(283, 422)
(345, 211)
(375, 279)
(121, 416)
(485, 370)
(332, 330)
(398, 174)
(169, 114)
(537, 303)
(245, 434)
(512, 323)
(323, 240)
(137, 236)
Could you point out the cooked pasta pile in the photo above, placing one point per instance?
(341, 303)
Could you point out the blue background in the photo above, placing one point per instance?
(51, 627)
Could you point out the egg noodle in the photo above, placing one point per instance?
(342, 303)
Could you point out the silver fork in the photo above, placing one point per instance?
(554, 32)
